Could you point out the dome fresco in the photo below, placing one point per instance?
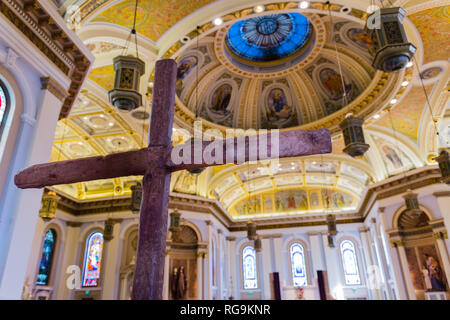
(270, 37)
(274, 71)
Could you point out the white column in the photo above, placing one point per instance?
(280, 261)
(388, 268)
(398, 273)
(265, 268)
(443, 201)
(69, 258)
(372, 270)
(19, 208)
(405, 270)
(200, 257)
(318, 262)
(166, 273)
(110, 264)
(220, 267)
(209, 273)
(234, 286)
(333, 268)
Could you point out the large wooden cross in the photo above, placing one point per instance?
(156, 165)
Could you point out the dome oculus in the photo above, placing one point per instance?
(270, 37)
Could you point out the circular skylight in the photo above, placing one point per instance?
(270, 37)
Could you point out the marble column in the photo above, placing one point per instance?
(208, 268)
(200, 258)
(69, 258)
(392, 280)
(373, 275)
(280, 261)
(19, 208)
(333, 263)
(264, 268)
(405, 269)
(219, 264)
(232, 267)
(317, 250)
(443, 201)
(109, 265)
(166, 273)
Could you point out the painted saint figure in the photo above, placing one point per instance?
(278, 108)
(221, 99)
(435, 273)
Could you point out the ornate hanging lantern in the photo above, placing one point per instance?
(175, 221)
(136, 198)
(332, 229)
(331, 241)
(444, 166)
(412, 204)
(251, 230)
(48, 207)
(108, 231)
(355, 144)
(390, 48)
(331, 222)
(258, 244)
(125, 95)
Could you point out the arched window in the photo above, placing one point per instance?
(92, 260)
(350, 263)
(299, 277)
(47, 257)
(249, 265)
(4, 106)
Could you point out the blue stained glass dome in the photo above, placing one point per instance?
(270, 37)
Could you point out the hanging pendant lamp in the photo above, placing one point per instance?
(390, 48)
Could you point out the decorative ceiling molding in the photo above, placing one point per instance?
(37, 24)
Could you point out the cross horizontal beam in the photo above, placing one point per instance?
(293, 143)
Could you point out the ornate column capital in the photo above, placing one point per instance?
(208, 222)
(396, 243)
(230, 238)
(48, 83)
(364, 229)
(441, 235)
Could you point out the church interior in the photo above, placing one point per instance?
(367, 221)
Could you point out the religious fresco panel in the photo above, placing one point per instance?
(294, 200)
(277, 111)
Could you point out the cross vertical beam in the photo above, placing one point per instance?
(151, 251)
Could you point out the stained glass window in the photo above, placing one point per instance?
(47, 257)
(350, 263)
(249, 265)
(92, 260)
(4, 104)
(269, 37)
(298, 264)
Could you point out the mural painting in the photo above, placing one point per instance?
(332, 82)
(221, 100)
(185, 66)
(278, 109)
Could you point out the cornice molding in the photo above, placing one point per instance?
(36, 24)
(48, 83)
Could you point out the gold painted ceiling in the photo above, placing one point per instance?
(303, 185)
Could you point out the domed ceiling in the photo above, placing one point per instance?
(275, 71)
(244, 82)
